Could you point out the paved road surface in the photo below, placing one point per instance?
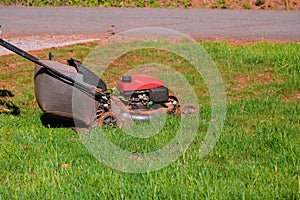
(199, 23)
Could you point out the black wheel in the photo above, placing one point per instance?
(189, 110)
(110, 119)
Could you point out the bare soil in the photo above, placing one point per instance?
(240, 82)
(295, 97)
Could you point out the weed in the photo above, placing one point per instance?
(246, 5)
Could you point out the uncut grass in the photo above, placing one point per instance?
(257, 155)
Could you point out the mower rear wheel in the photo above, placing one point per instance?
(189, 110)
(110, 119)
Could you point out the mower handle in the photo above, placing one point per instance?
(18, 51)
(93, 92)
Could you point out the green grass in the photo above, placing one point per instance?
(256, 157)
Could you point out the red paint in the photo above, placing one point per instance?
(139, 82)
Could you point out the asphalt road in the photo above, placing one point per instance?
(198, 23)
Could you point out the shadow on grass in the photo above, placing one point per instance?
(51, 121)
(6, 106)
(6, 93)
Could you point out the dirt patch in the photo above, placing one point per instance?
(268, 77)
(295, 97)
(255, 4)
(197, 4)
(238, 43)
(10, 66)
(239, 5)
(240, 82)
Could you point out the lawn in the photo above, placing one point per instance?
(256, 156)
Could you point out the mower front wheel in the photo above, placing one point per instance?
(110, 119)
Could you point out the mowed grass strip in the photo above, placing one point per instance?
(256, 157)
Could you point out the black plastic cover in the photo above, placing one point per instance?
(160, 94)
(88, 76)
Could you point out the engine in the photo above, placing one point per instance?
(141, 92)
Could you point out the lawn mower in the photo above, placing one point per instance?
(140, 97)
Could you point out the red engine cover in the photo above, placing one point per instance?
(139, 82)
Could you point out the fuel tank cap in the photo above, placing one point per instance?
(126, 79)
